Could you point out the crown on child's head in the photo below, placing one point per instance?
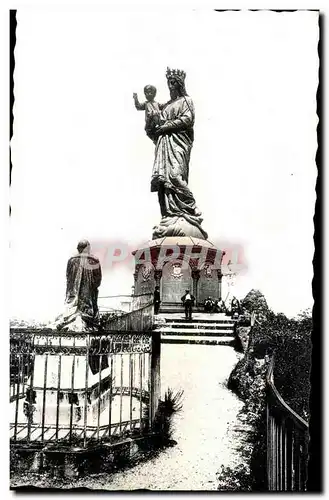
(176, 74)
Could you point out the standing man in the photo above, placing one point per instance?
(156, 300)
(188, 300)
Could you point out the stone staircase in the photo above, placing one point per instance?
(209, 329)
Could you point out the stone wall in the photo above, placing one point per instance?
(176, 278)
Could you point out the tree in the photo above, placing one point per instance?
(255, 301)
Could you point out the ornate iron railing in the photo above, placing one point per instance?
(79, 388)
(287, 442)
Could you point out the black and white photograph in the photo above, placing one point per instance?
(163, 192)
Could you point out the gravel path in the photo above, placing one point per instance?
(204, 431)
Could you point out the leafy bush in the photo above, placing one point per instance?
(237, 479)
(289, 340)
(242, 376)
(248, 381)
(255, 302)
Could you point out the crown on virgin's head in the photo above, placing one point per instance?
(177, 74)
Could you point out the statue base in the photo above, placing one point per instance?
(178, 226)
(74, 320)
(176, 264)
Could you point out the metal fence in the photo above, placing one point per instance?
(137, 320)
(287, 442)
(123, 303)
(80, 388)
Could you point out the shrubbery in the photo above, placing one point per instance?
(289, 340)
(248, 381)
(255, 302)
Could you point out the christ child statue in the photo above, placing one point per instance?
(152, 110)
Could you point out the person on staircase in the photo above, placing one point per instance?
(188, 301)
(156, 300)
(235, 307)
(209, 305)
(220, 306)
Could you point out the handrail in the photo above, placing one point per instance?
(280, 401)
(138, 319)
(129, 313)
(287, 441)
(124, 295)
(114, 296)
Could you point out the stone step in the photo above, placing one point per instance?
(195, 332)
(222, 321)
(175, 339)
(176, 308)
(198, 326)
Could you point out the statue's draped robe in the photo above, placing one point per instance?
(84, 276)
(171, 164)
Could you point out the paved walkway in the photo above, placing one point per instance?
(204, 430)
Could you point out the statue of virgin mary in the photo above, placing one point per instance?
(175, 135)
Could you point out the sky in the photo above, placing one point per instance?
(82, 162)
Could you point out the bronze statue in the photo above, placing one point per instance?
(83, 278)
(173, 143)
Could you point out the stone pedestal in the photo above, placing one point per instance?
(176, 264)
(176, 226)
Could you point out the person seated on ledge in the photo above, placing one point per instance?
(235, 308)
(209, 305)
(188, 301)
(220, 306)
